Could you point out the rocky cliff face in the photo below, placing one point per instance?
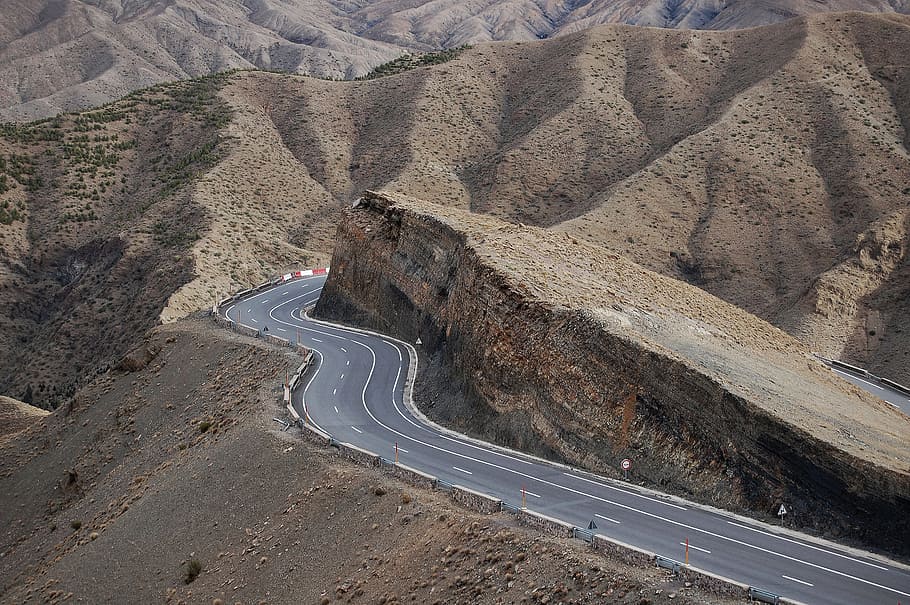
(537, 341)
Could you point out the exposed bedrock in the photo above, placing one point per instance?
(566, 350)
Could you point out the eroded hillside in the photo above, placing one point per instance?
(767, 166)
(566, 349)
(68, 55)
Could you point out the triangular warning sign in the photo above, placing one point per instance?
(782, 511)
(420, 342)
(592, 525)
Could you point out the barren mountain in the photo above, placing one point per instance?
(767, 166)
(73, 54)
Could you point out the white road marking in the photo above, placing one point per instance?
(532, 494)
(250, 310)
(263, 301)
(357, 429)
(282, 329)
(827, 552)
(462, 470)
(607, 519)
(316, 340)
(401, 449)
(578, 492)
(348, 362)
(254, 319)
(285, 293)
(334, 391)
(343, 349)
(798, 580)
(336, 409)
(342, 377)
(696, 548)
(599, 484)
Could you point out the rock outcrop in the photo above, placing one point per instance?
(569, 350)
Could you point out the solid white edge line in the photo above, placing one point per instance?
(385, 339)
(828, 552)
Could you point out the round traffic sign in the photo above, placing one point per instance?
(626, 464)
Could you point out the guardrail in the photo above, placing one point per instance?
(865, 373)
(605, 545)
(764, 596)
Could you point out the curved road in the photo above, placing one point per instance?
(355, 392)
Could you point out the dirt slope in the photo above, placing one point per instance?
(768, 167)
(116, 495)
(66, 55)
(16, 416)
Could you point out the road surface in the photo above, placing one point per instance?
(355, 392)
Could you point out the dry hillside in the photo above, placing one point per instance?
(73, 54)
(112, 499)
(767, 166)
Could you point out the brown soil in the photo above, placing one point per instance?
(116, 495)
(16, 416)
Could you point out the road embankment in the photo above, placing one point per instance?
(536, 341)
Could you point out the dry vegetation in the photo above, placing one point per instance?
(67, 55)
(768, 167)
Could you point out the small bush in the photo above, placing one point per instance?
(204, 426)
(193, 569)
(76, 524)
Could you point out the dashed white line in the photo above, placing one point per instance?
(401, 449)
(343, 349)
(357, 429)
(532, 494)
(263, 301)
(336, 409)
(606, 519)
(348, 362)
(342, 377)
(316, 340)
(696, 548)
(254, 319)
(798, 580)
(463, 470)
(334, 391)
(282, 329)
(285, 292)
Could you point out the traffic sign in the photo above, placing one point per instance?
(782, 511)
(626, 464)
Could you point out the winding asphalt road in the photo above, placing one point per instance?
(355, 393)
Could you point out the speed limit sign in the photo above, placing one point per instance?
(626, 464)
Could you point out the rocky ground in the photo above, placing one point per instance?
(173, 461)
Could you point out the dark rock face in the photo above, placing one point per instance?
(558, 381)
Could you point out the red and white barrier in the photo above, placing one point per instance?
(307, 273)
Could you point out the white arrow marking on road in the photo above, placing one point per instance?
(696, 548)
(606, 519)
(462, 470)
(798, 580)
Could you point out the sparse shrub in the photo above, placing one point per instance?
(406, 498)
(204, 426)
(76, 525)
(193, 569)
(379, 490)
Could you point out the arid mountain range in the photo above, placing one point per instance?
(71, 55)
(767, 166)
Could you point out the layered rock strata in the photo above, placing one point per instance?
(538, 341)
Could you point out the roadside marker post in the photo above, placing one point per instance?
(687, 550)
(396, 452)
(524, 498)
